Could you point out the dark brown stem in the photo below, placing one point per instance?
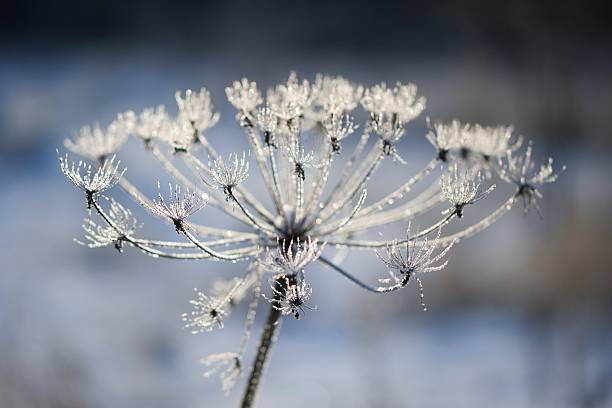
(270, 331)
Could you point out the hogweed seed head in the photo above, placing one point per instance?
(334, 96)
(398, 103)
(520, 169)
(290, 295)
(228, 365)
(151, 123)
(101, 235)
(285, 136)
(178, 207)
(96, 143)
(244, 95)
(389, 133)
(197, 109)
(407, 259)
(208, 313)
(289, 100)
(292, 256)
(336, 128)
(267, 122)
(461, 186)
(226, 175)
(92, 180)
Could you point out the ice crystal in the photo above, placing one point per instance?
(316, 191)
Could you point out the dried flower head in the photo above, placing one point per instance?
(208, 312)
(406, 259)
(290, 294)
(92, 180)
(336, 128)
(179, 206)
(290, 99)
(197, 109)
(446, 137)
(398, 103)
(151, 123)
(244, 95)
(389, 133)
(178, 133)
(291, 257)
(96, 143)
(316, 192)
(491, 142)
(228, 365)
(334, 96)
(461, 186)
(101, 235)
(520, 169)
(226, 175)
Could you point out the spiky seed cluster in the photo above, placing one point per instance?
(290, 295)
(101, 235)
(334, 96)
(289, 100)
(295, 140)
(226, 175)
(267, 122)
(244, 95)
(92, 180)
(291, 257)
(96, 143)
(465, 140)
(390, 133)
(407, 259)
(520, 169)
(462, 186)
(228, 365)
(336, 128)
(151, 123)
(180, 205)
(398, 103)
(197, 109)
(207, 314)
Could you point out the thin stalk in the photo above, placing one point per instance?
(270, 331)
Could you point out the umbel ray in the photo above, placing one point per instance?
(317, 207)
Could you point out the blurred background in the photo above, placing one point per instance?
(520, 318)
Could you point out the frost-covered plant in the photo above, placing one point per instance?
(298, 140)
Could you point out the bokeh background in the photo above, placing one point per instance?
(520, 318)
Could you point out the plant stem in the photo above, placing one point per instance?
(270, 331)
